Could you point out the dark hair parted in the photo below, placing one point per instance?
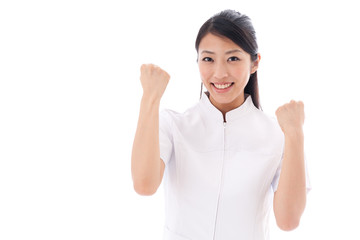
(238, 28)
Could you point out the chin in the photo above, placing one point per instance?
(222, 99)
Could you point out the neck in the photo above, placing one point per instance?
(226, 107)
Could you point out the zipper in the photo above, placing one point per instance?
(221, 180)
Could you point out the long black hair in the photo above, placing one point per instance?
(238, 28)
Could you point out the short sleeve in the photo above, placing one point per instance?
(165, 136)
(276, 178)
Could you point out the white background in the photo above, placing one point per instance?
(70, 94)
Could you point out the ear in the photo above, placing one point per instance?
(255, 64)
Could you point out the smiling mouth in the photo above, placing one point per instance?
(222, 86)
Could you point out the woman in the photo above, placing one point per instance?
(224, 161)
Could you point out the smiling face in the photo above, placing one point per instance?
(225, 69)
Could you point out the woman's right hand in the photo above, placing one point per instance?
(153, 80)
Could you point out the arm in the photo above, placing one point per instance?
(146, 166)
(290, 197)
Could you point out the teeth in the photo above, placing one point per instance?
(222, 86)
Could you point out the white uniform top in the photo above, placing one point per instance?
(219, 177)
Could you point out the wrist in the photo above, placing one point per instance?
(150, 99)
(294, 132)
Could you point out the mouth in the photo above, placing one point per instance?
(222, 86)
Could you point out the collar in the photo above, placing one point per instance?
(212, 112)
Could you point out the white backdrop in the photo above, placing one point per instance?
(70, 96)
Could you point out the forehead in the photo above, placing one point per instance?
(213, 42)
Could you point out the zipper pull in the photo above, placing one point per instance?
(224, 124)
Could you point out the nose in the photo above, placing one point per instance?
(220, 70)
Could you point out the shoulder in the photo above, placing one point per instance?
(267, 123)
(266, 118)
(179, 117)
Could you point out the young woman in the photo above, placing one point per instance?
(224, 161)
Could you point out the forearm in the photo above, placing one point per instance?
(145, 160)
(290, 197)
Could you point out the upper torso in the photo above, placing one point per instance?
(218, 176)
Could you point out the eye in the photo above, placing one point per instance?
(207, 59)
(231, 59)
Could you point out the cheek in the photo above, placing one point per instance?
(205, 72)
(242, 73)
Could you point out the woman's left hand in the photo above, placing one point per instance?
(291, 116)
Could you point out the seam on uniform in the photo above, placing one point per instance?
(221, 188)
(218, 200)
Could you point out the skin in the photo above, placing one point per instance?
(220, 60)
(147, 168)
(290, 197)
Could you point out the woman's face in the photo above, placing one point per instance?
(225, 70)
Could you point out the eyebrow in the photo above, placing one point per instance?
(227, 52)
(233, 51)
(206, 51)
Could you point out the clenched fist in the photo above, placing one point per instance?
(153, 80)
(291, 116)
